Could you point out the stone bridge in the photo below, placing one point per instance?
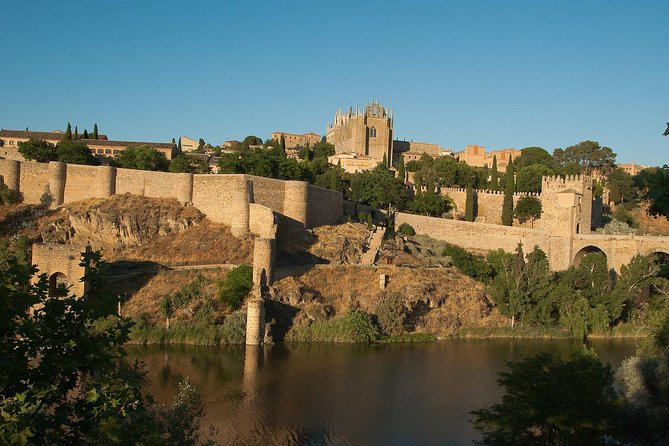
(563, 251)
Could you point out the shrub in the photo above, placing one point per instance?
(354, 326)
(468, 263)
(406, 229)
(7, 195)
(362, 217)
(391, 313)
(233, 328)
(236, 285)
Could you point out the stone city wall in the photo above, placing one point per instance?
(484, 237)
(325, 207)
(489, 203)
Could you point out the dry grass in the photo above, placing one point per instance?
(649, 224)
(441, 300)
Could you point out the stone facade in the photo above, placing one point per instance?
(476, 156)
(61, 264)
(488, 203)
(566, 205)
(294, 140)
(367, 132)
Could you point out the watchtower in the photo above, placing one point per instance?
(566, 205)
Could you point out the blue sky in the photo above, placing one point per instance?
(494, 73)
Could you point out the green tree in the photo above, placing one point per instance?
(509, 189)
(282, 145)
(38, 150)
(527, 208)
(236, 285)
(7, 195)
(532, 156)
(621, 186)
(654, 184)
(529, 178)
(188, 164)
(179, 144)
(76, 132)
(142, 157)
(75, 152)
(401, 173)
(67, 136)
(494, 175)
(167, 309)
(95, 131)
(586, 154)
(63, 380)
(470, 204)
(378, 188)
(85, 134)
(549, 401)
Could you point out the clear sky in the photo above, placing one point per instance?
(494, 73)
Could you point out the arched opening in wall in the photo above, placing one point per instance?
(585, 251)
(58, 285)
(372, 132)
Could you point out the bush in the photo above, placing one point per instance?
(354, 326)
(406, 229)
(391, 313)
(233, 328)
(468, 263)
(7, 195)
(236, 285)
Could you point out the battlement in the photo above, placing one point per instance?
(489, 192)
(557, 182)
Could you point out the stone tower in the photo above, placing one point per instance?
(566, 205)
(367, 132)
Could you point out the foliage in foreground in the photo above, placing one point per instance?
(63, 379)
(549, 401)
(354, 326)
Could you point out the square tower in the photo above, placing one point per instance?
(566, 204)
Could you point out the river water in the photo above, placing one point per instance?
(332, 394)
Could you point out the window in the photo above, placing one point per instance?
(101, 151)
(11, 142)
(108, 151)
(372, 132)
(116, 152)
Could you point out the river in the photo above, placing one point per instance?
(332, 394)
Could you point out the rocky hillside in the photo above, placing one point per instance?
(130, 227)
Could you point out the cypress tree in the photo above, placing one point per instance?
(401, 174)
(509, 189)
(494, 176)
(469, 204)
(26, 129)
(68, 132)
(282, 145)
(179, 144)
(385, 160)
(76, 132)
(95, 131)
(85, 133)
(419, 184)
(174, 141)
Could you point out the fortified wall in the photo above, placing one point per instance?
(223, 198)
(488, 202)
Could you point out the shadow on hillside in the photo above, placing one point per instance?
(293, 245)
(280, 317)
(126, 277)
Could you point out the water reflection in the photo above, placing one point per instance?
(324, 394)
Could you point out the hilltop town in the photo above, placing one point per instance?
(328, 224)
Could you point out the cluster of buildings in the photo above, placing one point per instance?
(362, 138)
(102, 146)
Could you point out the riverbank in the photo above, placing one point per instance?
(216, 335)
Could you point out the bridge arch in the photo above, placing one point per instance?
(589, 249)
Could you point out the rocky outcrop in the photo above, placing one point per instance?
(126, 220)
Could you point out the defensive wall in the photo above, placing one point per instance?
(562, 251)
(223, 198)
(61, 264)
(488, 202)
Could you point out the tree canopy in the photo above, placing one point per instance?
(188, 164)
(75, 152)
(142, 157)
